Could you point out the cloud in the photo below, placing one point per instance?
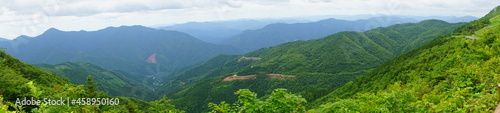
(92, 7)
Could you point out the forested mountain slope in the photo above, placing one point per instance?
(115, 83)
(453, 73)
(314, 66)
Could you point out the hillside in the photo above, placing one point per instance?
(279, 33)
(116, 48)
(452, 73)
(317, 65)
(19, 80)
(115, 83)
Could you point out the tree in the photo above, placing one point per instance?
(279, 101)
(163, 106)
(91, 87)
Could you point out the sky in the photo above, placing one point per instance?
(33, 17)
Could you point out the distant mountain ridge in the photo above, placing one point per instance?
(278, 33)
(214, 32)
(217, 31)
(450, 19)
(117, 48)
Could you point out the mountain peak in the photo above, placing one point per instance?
(127, 28)
(53, 30)
(330, 20)
(22, 37)
(133, 26)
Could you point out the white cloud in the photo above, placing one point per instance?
(32, 17)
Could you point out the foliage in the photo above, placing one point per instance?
(3, 107)
(115, 83)
(91, 87)
(163, 106)
(279, 101)
(201, 93)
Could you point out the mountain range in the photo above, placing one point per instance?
(279, 33)
(457, 72)
(315, 66)
(218, 31)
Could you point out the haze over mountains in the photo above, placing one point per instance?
(214, 32)
(117, 48)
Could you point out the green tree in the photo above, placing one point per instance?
(163, 106)
(91, 87)
(279, 101)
